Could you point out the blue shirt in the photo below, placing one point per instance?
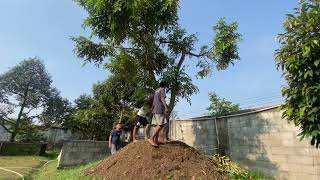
(115, 136)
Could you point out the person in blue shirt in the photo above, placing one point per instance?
(114, 139)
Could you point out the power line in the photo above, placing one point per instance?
(258, 99)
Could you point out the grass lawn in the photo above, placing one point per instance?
(25, 165)
(39, 168)
(50, 172)
(21, 164)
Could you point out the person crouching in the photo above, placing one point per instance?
(142, 118)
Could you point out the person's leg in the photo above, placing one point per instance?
(146, 132)
(167, 131)
(134, 134)
(113, 148)
(137, 126)
(118, 147)
(154, 135)
(156, 138)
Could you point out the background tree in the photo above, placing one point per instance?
(298, 57)
(220, 106)
(145, 35)
(94, 117)
(56, 110)
(120, 99)
(24, 88)
(89, 119)
(113, 101)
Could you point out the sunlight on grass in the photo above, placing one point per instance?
(21, 164)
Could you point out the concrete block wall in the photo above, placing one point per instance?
(75, 153)
(198, 134)
(262, 141)
(267, 143)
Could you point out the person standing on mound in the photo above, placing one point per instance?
(159, 110)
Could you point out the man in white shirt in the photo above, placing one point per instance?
(142, 118)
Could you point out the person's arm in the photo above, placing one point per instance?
(163, 101)
(110, 139)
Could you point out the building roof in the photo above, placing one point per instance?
(236, 113)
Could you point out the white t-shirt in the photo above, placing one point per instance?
(143, 111)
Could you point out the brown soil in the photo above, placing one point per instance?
(173, 160)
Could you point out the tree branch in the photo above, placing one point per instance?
(181, 60)
(5, 128)
(29, 111)
(9, 120)
(200, 54)
(174, 90)
(168, 42)
(197, 55)
(35, 116)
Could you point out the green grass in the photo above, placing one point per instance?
(50, 172)
(257, 176)
(21, 164)
(37, 168)
(251, 176)
(24, 165)
(52, 154)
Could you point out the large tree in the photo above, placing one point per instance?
(299, 58)
(141, 41)
(25, 90)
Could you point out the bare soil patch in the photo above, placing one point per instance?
(173, 160)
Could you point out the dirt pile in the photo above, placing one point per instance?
(173, 160)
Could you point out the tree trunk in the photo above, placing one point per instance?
(16, 127)
(164, 133)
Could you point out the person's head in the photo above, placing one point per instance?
(148, 100)
(163, 84)
(118, 126)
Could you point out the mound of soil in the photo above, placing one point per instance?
(173, 160)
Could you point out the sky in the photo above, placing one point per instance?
(43, 28)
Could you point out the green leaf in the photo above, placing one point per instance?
(317, 62)
(302, 111)
(313, 110)
(308, 73)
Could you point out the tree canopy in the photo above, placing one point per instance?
(298, 57)
(141, 42)
(221, 106)
(24, 89)
(93, 117)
